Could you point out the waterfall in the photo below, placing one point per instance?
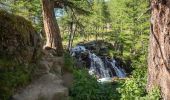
(99, 67)
(77, 49)
(119, 71)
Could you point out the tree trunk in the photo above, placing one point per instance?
(53, 37)
(70, 36)
(72, 39)
(159, 48)
(97, 33)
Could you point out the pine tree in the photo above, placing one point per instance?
(159, 48)
(53, 37)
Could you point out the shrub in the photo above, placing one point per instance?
(68, 62)
(13, 77)
(134, 87)
(86, 87)
(154, 94)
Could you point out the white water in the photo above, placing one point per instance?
(119, 71)
(77, 49)
(105, 80)
(97, 67)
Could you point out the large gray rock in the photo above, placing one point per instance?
(47, 87)
(18, 38)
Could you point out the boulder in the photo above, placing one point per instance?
(47, 83)
(47, 87)
(99, 47)
(18, 38)
(21, 44)
(20, 48)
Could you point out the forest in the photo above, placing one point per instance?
(84, 49)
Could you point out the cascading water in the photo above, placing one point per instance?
(119, 71)
(99, 67)
(77, 49)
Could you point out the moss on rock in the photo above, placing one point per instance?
(20, 46)
(18, 38)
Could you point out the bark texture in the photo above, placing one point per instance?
(53, 37)
(159, 48)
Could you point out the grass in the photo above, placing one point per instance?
(12, 78)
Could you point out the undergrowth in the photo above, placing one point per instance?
(12, 76)
(86, 87)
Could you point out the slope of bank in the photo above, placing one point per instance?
(26, 71)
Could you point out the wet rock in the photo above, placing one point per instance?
(99, 47)
(103, 51)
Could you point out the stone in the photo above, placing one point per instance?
(47, 87)
(20, 43)
(18, 38)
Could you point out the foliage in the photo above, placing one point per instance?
(134, 86)
(129, 31)
(5, 62)
(13, 77)
(86, 87)
(68, 62)
(132, 32)
(153, 95)
(29, 9)
(10, 20)
(132, 89)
